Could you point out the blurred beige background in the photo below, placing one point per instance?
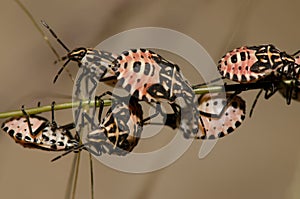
(260, 160)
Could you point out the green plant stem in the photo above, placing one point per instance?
(107, 102)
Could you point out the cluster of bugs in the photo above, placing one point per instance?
(144, 74)
(148, 77)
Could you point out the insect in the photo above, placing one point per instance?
(218, 116)
(37, 132)
(151, 78)
(119, 131)
(143, 73)
(249, 64)
(264, 63)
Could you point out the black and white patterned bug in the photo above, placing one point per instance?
(143, 73)
(119, 131)
(151, 78)
(264, 63)
(249, 64)
(37, 132)
(218, 116)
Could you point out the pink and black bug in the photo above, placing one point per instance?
(249, 64)
(149, 77)
(39, 133)
(143, 73)
(218, 116)
(264, 63)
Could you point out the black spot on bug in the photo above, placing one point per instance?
(45, 130)
(27, 138)
(248, 54)
(35, 140)
(126, 53)
(243, 56)
(230, 130)
(240, 68)
(45, 137)
(143, 50)
(243, 106)
(226, 114)
(207, 104)
(137, 66)
(221, 134)
(211, 137)
(119, 57)
(235, 77)
(125, 65)
(247, 68)
(215, 103)
(60, 143)
(222, 73)
(145, 85)
(54, 134)
(224, 102)
(5, 128)
(138, 80)
(237, 124)
(128, 87)
(19, 136)
(53, 146)
(134, 50)
(11, 132)
(234, 104)
(233, 59)
(147, 69)
(242, 117)
(121, 82)
(244, 79)
(227, 76)
(52, 141)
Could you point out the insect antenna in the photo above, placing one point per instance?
(55, 36)
(63, 45)
(43, 34)
(60, 71)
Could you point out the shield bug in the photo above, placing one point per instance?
(37, 132)
(143, 73)
(218, 116)
(119, 131)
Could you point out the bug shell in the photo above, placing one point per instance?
(227, 121)
(120, 130)
(42, 137)
(149, 77)
(249, 64)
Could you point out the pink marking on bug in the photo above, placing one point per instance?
(239, 70)
(229, 115)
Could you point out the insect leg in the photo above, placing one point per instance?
(27, 119)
